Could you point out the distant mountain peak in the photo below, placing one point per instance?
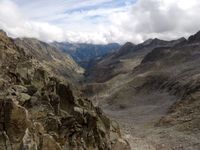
(195, 37)
(157, 41)
(128, 44)
(147, 41)
(182, 39)
(2, 33)
(125, 49)
(154, 41)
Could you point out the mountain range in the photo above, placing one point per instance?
(64, 96)
(152, 90)
(84, 54)
(124, 60)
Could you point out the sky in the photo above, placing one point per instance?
(100, 21)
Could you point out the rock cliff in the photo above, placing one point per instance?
(40, 111)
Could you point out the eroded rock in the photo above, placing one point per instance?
(39, 111)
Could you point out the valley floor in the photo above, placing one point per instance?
(156, 99)
(138, 126)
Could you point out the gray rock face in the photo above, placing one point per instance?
(194, 38)
(123, 61)
(40, 111)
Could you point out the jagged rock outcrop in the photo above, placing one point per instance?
(194, 38)
(40, 111)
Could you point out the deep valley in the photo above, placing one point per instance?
(99, 75)
(152, 90)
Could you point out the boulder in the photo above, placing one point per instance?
(52, 123)
(29, 142)
(31, 89)
(5, 143)
(120, 144)
(15, 121)
(20, 89)
(23, 97)
(67, 100)
(2, 83)
(49, 143)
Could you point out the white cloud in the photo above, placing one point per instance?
(14, 22)
(166, 19)
(94, 22)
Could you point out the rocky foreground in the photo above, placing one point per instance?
(41, 111)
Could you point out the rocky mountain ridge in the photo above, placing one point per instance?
(151, 89)
(52, 59)
(124, 60)
(157, 99)
(40, 111)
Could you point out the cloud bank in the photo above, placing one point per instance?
(100, 21)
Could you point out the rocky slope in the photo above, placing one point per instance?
(84, 54)
(40, 111)
(157, 101)
(51, 58)
(124, 60)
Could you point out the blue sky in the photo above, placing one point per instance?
(51, 10)
(99, 21)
